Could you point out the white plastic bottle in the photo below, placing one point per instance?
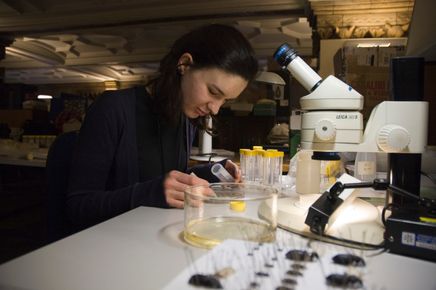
(308, 173)
(365, 166)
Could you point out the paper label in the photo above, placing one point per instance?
(366, 167)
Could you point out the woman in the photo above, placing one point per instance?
(134, 144)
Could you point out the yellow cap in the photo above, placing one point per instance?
(269, 154)
(257, 147)
(250, 153)
(271, 150)
(237, 205)
(242, 151)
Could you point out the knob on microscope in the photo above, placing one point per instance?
(393, 138)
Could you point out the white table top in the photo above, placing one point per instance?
(141, 249)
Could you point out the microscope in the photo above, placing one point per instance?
(332, 123)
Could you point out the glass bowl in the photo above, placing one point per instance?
(220, 211)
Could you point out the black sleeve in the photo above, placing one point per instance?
(88, 201)
(88, 207)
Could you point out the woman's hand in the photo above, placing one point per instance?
(175, 184)
(233, 169)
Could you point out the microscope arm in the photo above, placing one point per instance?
(322, 209)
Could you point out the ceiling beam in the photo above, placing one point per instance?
(40, 5)
(34, 55)
(57, 27)
(15, 5)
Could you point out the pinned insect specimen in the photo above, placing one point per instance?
(348, 260)
(207, 281)
(211, 281)
(302, 256)
(344, 281)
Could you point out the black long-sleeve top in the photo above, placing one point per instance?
(122, 155)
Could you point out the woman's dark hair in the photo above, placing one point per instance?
(212, 46)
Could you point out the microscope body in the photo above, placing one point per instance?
(331, 122)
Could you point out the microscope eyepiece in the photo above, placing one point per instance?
(287, 57)
(285, 54)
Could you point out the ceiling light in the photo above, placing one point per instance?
(111, 85)
(386, 44)
(44, 97)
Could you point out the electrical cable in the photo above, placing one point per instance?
(358, 245)
(339, 241)
(432, 179)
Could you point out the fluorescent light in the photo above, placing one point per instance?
(386, 44)
(44, 97)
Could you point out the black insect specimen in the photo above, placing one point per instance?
(294, 273)
(289, 281)
(206, 281)
(349, 260)
(344, 281)
(269, 265)
(284, 288)
(301, 255)
(298, 267)
(254, 285)
(262, 274)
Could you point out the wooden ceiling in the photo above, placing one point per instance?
(58, 41)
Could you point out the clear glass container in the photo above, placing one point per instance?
(220, 211)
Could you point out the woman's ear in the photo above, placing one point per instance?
(184, 62)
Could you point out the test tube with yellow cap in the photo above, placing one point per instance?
(258, 168)
(269, 160)
(250, 165)
(278, 171)
(243, 162)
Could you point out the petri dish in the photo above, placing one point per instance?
(220, 211)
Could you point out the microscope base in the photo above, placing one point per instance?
(359, 222)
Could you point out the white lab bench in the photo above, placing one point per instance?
(142, 249)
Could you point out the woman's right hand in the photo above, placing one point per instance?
(174, 185)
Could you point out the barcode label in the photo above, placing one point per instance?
(408, 238)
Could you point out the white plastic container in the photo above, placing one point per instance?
(365, 166)
(308, 173)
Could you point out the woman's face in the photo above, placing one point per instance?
(205, 90)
